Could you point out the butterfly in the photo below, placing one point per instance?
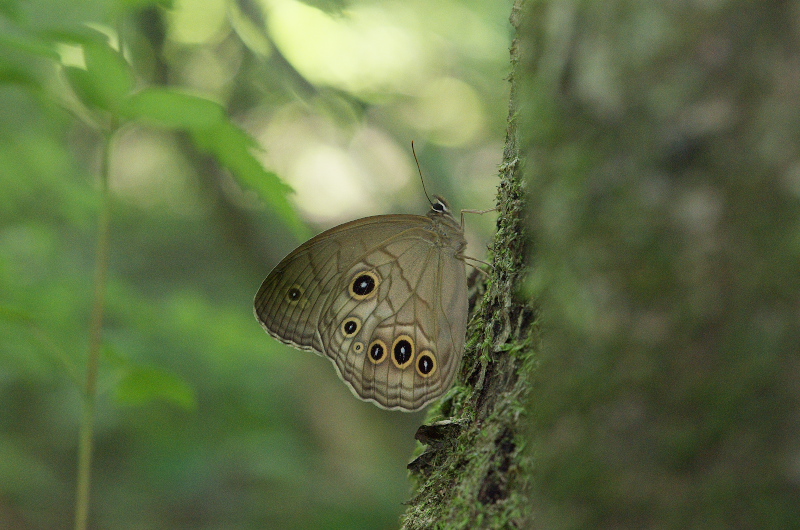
(383, 297)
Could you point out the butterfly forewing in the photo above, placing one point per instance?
(292, 297)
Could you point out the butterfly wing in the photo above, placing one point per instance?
(385, 298)
(407, 341)
(293, 296)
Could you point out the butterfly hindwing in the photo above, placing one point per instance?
(414, 304)
(384, 298)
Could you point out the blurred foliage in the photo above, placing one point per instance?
(203, 420)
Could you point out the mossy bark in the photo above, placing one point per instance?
(474, 471)
(661, 148)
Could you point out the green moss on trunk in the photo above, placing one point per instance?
(474, 471)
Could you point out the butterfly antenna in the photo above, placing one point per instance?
(419, 169)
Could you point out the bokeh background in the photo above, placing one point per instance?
(203, 420)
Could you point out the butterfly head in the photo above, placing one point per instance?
(440, 206)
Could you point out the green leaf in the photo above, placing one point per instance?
(176, 110)
(18, 76)
(213, 132)
(107, 79)
(82, 84)
(12, 37)
(234, 149)
(110, 71)
(142, 385)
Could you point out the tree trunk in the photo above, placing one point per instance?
(474, 471)
(661, 145)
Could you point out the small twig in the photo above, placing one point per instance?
(85, 441)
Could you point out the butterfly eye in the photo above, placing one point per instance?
(350, 326)
(402, 351)
(426, 364)
(440, 206)
(294, 294)
(364, 285)
(377, 351)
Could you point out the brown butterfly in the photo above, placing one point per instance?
(384, 298)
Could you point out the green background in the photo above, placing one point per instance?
(202, 420)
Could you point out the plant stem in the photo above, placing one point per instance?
(85, 440)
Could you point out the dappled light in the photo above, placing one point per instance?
(226, 132)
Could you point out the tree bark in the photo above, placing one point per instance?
(475, 471)
(663, 145)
